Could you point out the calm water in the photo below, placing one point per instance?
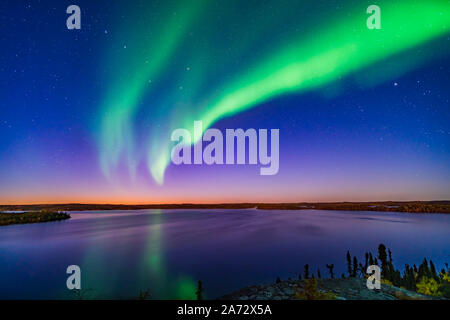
(166, 251)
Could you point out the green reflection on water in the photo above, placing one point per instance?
(109, 271)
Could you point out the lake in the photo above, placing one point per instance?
(165, 252)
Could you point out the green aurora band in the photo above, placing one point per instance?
(303, 62)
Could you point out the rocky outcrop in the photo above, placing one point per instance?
(343, 289)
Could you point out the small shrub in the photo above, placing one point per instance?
(385, 281)
(310, 292)
(144, 295)
(445, 276)
(445, 284)
(428, 286)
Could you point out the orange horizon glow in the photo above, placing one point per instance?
(190, 201)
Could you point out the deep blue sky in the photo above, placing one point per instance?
(349, 140)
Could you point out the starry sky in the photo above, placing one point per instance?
(86, 115)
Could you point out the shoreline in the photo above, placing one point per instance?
(441, 207)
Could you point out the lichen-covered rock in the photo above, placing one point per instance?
(343, 289)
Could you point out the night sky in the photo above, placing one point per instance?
(86, 115)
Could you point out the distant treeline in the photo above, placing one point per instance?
(90, 207)
(31, 217)
(410, 206)
(395, 206)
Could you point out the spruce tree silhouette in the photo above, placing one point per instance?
(306, 272)
(355, 267)
(349, 264)
(330, 269)
(199, 292)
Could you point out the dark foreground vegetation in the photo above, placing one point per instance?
(413, 283)
(422, 282)
(393, 206)
(424, 278)
(7, 218)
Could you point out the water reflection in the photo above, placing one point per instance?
(123, 253)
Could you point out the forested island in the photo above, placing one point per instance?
(392, 206)
(8, 218)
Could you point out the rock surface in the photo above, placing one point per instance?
(344, 289)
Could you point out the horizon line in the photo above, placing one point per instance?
(211, 203)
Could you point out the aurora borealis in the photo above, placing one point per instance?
(87, 114)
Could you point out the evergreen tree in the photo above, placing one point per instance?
(366, 262)
(349, 264)
(396, 278)
(412, 280)
(433, 271)
(382, 253)
(409, 279)
(306, 272)
(355, 267)
(423, 269)
(330, 268)
(362, 270)
(384, 264)
(199, 291)
(371, 262)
